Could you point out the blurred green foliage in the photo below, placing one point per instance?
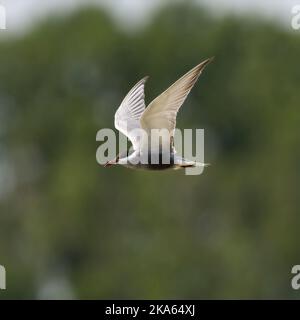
(72, 229)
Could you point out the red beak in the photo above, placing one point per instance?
(107, 164)
(111, 162)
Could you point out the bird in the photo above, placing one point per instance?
(132, 116)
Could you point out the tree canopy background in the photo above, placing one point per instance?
(72, 229)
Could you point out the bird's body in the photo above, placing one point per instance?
(132, 116)
(156, 161)
(134, 161)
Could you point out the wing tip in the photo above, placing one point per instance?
(204, 63)
(145, 79)
(139, 83)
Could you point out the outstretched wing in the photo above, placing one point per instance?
(129, 113)
(162, 111)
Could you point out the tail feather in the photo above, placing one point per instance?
(192, 164)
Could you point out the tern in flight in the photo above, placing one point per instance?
(132, 115)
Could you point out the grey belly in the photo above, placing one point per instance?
(156, 162)
(159, 162)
